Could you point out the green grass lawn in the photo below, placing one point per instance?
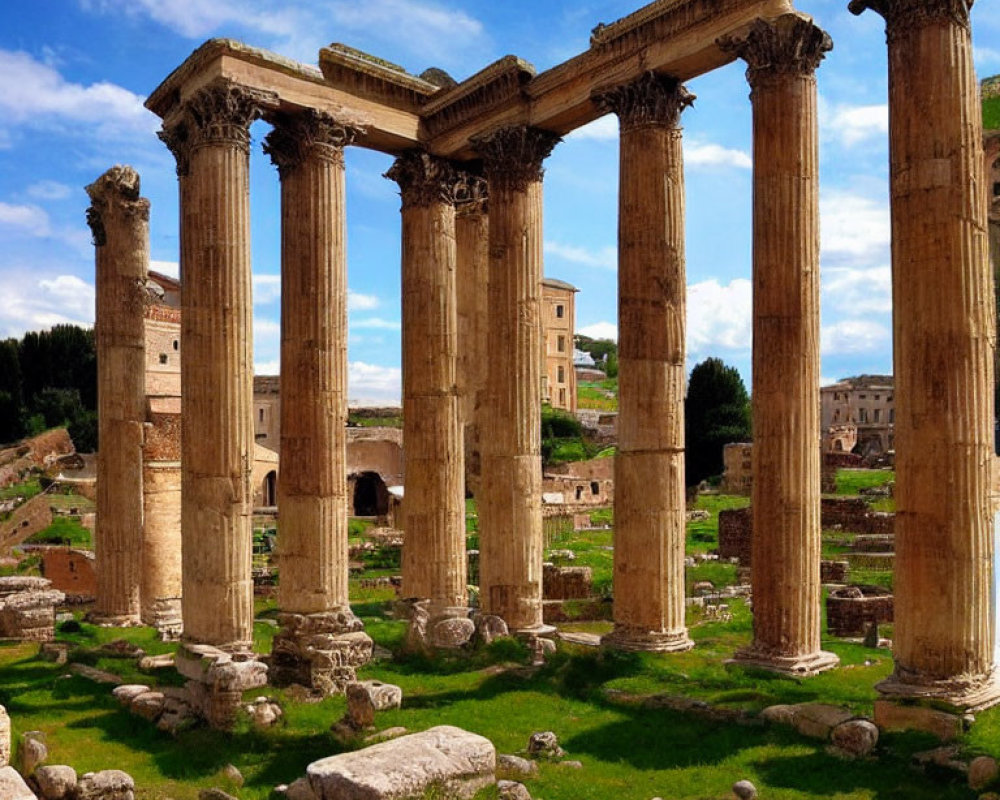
(991, 113)
(26, 489)
(600, 395)
(852, 481)
(65, 531)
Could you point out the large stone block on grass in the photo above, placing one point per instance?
(12, 785)
(108, 784)
(891, 716)
(458, 762)
(4, 737)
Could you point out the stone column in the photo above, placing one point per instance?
(782, 56)
(472, 230)
(510, 510)
(944, 336)
(211, 140)
(434, 568)
(321, 641)
(119, 220)
(650, 513)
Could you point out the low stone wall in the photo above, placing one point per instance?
(26, 520)
(566, 583)
(71, 571)
(736, 534)
(833, 571)
(852, 610)
(27, 608)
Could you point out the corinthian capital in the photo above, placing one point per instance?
(783, 46)
(309, 134)
(902, 16)
(651, 100)
(220, 113)
(512, 157)
(423, 179)
(119, 187)
(472, 193)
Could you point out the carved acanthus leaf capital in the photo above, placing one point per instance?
(309, 134)
(903, 16)
(513, 156)
(120, 187)
(472, 193)
(788, 45)
(423, 179)
(651, 100)
(219, 113)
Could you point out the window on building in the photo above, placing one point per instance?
(878, 396)
(260, 415)
(163, 358)
(877, 414)
(562, 397)
(560, 311)
(561, 344)
(888, 399)
(863, 415)
(177, 344)
(561, 375)
(892, 415)
(579, 492)
(595, 487)
(836, 415)
(862, 396)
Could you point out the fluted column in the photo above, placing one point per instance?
(782, 56)
(434, 546)
(472, 230)
(211, 140)
(650, 517)
(510, 511)
(119, 220)
(944, 336)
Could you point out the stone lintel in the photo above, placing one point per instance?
(368, 76)
(804, 666)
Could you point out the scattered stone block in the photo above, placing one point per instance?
(13, 787)
(127, 692)
(4, 737)
(27, 608)
(150, 663)
(512, 790)
(545, 744)
(983, 771)
(214, 794)
(56, 782)
(31, 752)
(217, 681)
(818, 720)
(459, 762)
(232, 774)
(856, 737)
(94, 674)
(489, 628)
(148, 705)
(364, 698)
(56, 652)
(567, 583)
(450, 633)
(264, 712)
(320, 651)
(108, 784)
(744, 790)
(893, 716)
(515, 766)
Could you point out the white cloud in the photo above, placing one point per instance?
(986, 56)
(31, 304)
(713, 155)
(30, 219)
(604, 258)
(361, 302)
(266, 327)
(266, 289)
(49, 190)
(718, 317)
(851, 124)
(852, 336)
(602, 129)
(369, 384)
(171, 269)
(32, 92)
(857, 291)
(854, 226)
(376, 322)
(267, 367)
(600, 330)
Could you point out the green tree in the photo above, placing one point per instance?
(717, 412)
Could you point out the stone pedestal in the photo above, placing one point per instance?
(434, 567)
(650, 513)
(308, 149)
(782, 55)
(510, 512)
(119, 220)
(210, 137)
(216, 682)
(27, 608)
(944, 337)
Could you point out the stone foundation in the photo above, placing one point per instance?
(27, 608)
(321, 651)
(852, 610)
(566, 583)
(833, 571)
(217, 680)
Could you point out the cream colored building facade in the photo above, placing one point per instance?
(558, 324)
(867, 402)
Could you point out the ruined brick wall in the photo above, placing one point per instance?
(71, 571)
(852, 514)
(850, 611)
(25, 521)
(594, 469)
(377, 450)
(737, 477)
(579, 492)
(833, 571)
(566, 583)
(736, 534)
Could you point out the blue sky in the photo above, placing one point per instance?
(74, 74)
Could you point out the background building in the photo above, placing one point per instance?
(558, 327)
(866, 402)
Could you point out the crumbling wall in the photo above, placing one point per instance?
(852, 610)
(71, 571)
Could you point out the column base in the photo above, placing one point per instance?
(961, 694)
(319, 651)
(436, 627)
(165, 616)
(216, 682)
(638, 640)
(804, 666)
(102, 620)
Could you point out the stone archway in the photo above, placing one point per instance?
(371, 496)
(271, 488)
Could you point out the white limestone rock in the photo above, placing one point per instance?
(108, 784)
(13, 787)
(4, 737)
(856, 737)
(127, 692)
(57, 782)
(364, 698)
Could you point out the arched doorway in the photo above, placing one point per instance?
(271, 488)
(371, 496)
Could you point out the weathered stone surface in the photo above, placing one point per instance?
(744, 790)
(13, 787)
(490, 627)
(780, 714)
(233, 774)
(983, 771)
(450, 634)
(108, 784)
(214, 794)
(515, 766)
(891, 716)
(460, 762)
(818, 720)
(366, 697)
(31, 752)
(544, 744)
(264, 712)
(95, 674)
(512, 790)
(127, 692)
(321, 651)
(148, 705)
(4, 737)
(29, 614)
(856, 737)
(56, 782)
(300, 790)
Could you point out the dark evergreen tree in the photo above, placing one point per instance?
(717, 412)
